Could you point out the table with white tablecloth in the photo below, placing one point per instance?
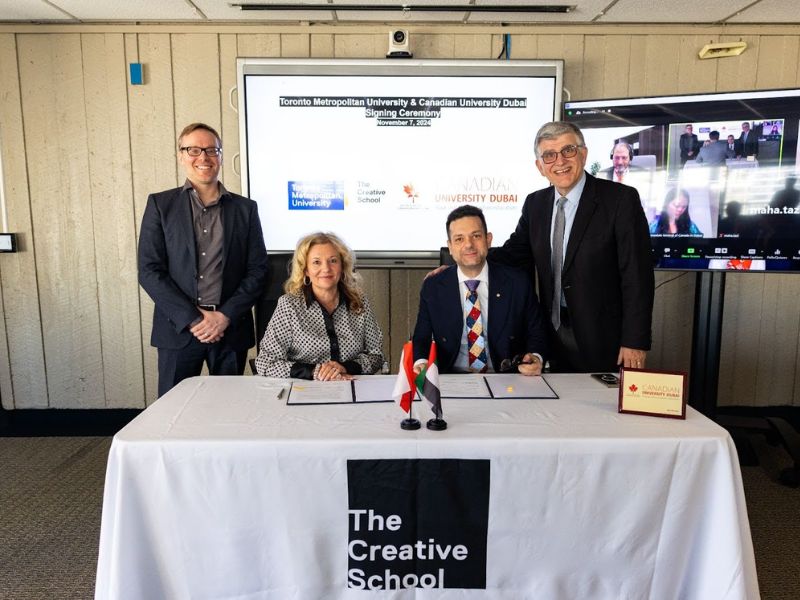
(221, 490)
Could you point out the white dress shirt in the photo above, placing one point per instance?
(570, 208)
(462, 360)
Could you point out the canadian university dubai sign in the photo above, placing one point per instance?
(417, 523)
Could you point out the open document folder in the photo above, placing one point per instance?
(495, 385)
(369, 388)
(378, 388)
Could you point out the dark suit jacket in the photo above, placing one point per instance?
(750, 146)
(688, 143)
(168, 267)
(608, 270)
(514, 320)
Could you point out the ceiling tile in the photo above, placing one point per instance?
(131, 10)
(673, 11)
(30, 10)
(768, 11)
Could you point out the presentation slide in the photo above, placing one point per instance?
(382, 160)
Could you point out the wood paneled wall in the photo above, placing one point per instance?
(81, 149)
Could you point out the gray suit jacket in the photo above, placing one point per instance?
(713, 154)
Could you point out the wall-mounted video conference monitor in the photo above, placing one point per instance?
(380, 151)
(717, 173)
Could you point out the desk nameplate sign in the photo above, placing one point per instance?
(653, 393)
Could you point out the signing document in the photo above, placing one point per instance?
(375, 388)
(471, 385)
(514, 385)
(321, 392)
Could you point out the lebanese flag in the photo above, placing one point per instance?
(428, 383)
(404, 388)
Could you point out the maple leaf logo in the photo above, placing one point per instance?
(410, 192)
(633, 387)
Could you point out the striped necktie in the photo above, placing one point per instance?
(476, 342)
(558, 263)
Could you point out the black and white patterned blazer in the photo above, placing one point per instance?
(301, 335)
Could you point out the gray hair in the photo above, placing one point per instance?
(555, 129)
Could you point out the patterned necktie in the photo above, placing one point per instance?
(558, 263)
(476, 343)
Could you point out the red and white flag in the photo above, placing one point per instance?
(404, 388)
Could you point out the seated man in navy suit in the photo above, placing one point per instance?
(483, 316)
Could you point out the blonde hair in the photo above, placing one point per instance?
(350, 282)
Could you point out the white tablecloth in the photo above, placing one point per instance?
(219, 490)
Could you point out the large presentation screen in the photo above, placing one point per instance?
(717, 173)
(379, 151)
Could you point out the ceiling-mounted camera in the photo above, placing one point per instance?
(398, 44)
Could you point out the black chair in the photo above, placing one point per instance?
(280, 265)
(445, 258)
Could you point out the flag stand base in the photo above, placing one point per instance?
(436, 424)
(410, 424)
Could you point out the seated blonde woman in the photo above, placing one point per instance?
(323, 327)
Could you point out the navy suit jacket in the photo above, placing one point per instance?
(168, 267)
(607, 275)
(514, 320)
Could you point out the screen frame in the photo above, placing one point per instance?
(702, 98)
(246, 67)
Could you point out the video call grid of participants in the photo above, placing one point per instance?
(708, 180)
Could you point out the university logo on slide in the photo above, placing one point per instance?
(417, 523)
(316, 195)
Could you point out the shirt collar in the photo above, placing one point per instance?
(482, 276)
(575, 193)
(311, 299)
(187, 186)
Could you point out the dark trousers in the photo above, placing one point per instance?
(176, 365)
(566, 356)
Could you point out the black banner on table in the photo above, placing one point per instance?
(417, 523)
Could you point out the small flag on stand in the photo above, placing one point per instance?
(428, 383)
(404, 388)
(428, 386)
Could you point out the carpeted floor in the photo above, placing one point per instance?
(51, 491)
(51, 495)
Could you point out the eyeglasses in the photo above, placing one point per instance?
(197, 151)
(550, 156)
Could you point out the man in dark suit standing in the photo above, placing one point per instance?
(688, 144)
(732, 148)
(202, 260)
(748, 141)
(588, 240)
(483, 316)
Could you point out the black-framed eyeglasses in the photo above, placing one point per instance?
(197, 151)
(550, 156)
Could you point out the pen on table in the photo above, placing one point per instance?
(280, 394)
